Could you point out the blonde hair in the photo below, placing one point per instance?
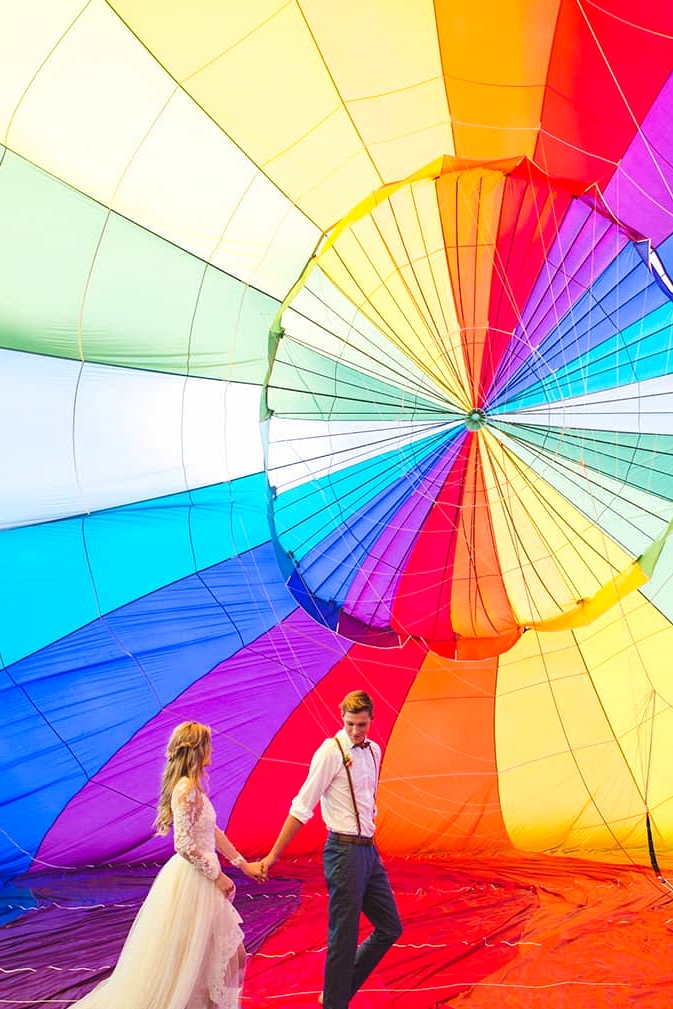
(357, 701)
(186, 753)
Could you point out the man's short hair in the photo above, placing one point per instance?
(357, 701)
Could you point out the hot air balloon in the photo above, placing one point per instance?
(336, 351)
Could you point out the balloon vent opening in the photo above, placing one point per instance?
(475, 419)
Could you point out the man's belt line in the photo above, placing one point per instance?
(350, 838)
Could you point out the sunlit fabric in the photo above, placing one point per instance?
(336, 351)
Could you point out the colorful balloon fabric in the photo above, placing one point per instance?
(336, 350)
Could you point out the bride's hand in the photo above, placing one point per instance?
(226, 885)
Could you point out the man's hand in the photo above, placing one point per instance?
(255, 870)
(266, 863)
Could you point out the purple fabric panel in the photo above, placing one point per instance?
(586, 245)
(371, 596)
(110, 820)
(72, 938)
(639, 192)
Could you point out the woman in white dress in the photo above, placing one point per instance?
(185, 948)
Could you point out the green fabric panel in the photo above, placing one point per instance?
(231, 328)
(143, 302)
(49, 236)
(305, 383)
(639, 460)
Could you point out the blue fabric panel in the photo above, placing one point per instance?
(325, 612)
(306, 515)
(331, 566)
(117, 673)
(665, 253)
(641, 352)
(620, 299)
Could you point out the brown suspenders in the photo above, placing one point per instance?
(347, 764)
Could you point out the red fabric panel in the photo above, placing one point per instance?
(588, 120)
(525, 933)
(452, 586)
(531, 214)
(445, 912)
(265, 801)
(422, 603)
(479, 602)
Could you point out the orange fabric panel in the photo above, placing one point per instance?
(495, 58)
(439, 786)
(469, 205)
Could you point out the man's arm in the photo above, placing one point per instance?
(290, 829)
(324, 765)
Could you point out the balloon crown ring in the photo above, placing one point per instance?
(475, 419)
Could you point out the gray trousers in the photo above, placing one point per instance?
(357, 884)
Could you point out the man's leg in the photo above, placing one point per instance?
(378, 904)
(345, 876)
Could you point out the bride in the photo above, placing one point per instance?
(185, 948)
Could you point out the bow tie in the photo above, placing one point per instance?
(361, 746)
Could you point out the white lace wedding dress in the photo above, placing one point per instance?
(185, 948)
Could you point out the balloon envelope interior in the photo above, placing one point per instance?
(336, 351)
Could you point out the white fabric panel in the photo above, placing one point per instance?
(267, 241)
(300, 451)
(28, 31)
(643, 407)
(90, 104)
(77, 438)
(102, 115)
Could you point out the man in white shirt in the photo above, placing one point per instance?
(343, 776)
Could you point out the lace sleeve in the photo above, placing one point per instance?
(186, 805)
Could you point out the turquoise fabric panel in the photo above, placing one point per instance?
(306, 515)
(61, 575)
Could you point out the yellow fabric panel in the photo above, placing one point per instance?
(394, 125)
(552, 556)
(450, 363)
(328, 108)
(588, 609)
(89, 106)
(495, 56)
(380, 263)
(583, 728)
(183, 36)
(384, 58)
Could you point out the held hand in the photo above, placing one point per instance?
(226, 885)
(266, 864)
(255, 870)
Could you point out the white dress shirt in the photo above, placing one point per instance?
(327, 782)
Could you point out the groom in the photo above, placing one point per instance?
(343, 776)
